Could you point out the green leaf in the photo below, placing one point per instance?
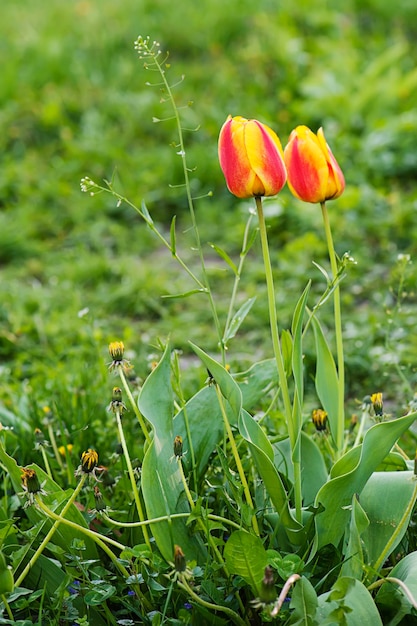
(245, 556)
(263, 456)
(256, 382)
(297, 351)
(304, 603)
(286, 346)
(313, 468)
(326, 379)
(204, 417)
(237, 319)
(100, 594)
(162, 487)
(386, 498)
(336, 495)
(354, 563)
(391, 598)
(349, 602)
(173, 236)
(225, 257)
(224, 380)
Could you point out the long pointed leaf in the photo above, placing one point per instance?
(161, 479)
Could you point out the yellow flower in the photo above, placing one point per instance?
(89, 461)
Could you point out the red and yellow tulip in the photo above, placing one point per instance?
(313, 173)
(251, 157)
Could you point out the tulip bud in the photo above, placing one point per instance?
(313, 173)
(251, 157)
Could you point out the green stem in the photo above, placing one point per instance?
(7, 607)
(338, 333)
(183, 584)
(237, 458)
(165, 518)
(134, 404)
(293, 428)
(46, 463)
(53, 444)
(132, 476)
(52, 530)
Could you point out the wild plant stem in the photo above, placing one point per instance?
(293, 429)
(164, 518)
(51, 532)
(132, 476)
(7, 607)
(238, 274)
(182, 153)
(236, 457)
(134, 405)
(338, 334)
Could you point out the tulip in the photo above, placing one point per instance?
(313, 173)
(251, 157)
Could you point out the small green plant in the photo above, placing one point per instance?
(235, 503)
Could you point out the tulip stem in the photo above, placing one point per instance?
(292, 430)
(338, 333)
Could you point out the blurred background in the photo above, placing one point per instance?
(80, 271)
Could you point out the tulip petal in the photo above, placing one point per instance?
(266, 158)
(306, 165)
(336, 181)
(234, 161)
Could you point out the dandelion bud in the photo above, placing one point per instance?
(30, 481)
(117, 349)
(268, 593)
(89, 461)
(319, 418)
(377, 403)
(98, 498)
(178, 447)
(179, 559)
(116, 405)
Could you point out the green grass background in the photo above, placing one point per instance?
(78, 271)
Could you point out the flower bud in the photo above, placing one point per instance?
(30, 480)
(89, 460)
(319, 418)
(116, 349)
(179, 559)
(268, 592)
(178, 447)
(377, 403)
(251, 157)
(313, 173)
